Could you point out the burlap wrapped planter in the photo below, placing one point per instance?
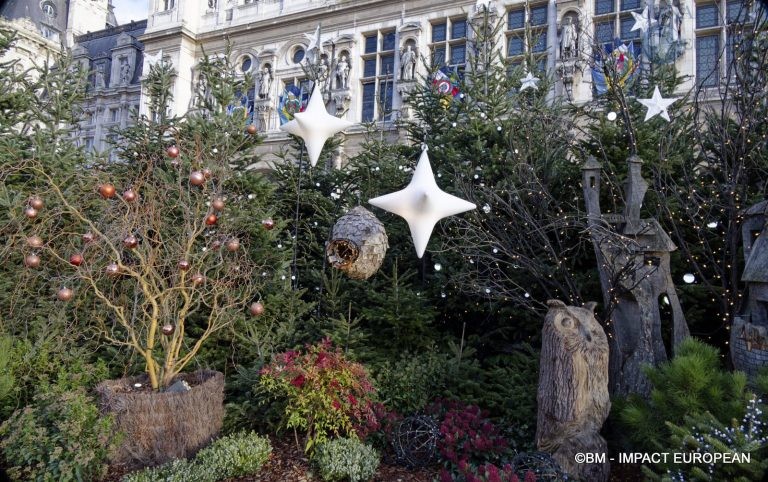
(161, 426)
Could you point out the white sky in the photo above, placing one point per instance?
(127, 10)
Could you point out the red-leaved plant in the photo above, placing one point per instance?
(326, 394)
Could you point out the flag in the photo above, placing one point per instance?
(620, 65)
(446, 81)
(291, 101)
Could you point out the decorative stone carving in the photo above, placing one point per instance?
(265, 82)
(341, 75)
(407, 64)
(98, 79)
(341, 100)
(573, 400)
(126, 71)
(569, 38)
(262, 113)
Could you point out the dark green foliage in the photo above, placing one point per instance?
(691, 384)
(60, 436)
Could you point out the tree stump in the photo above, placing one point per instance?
(573, 399)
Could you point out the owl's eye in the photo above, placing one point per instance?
(567, 323)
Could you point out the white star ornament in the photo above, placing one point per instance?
(657, 105)
(529, 81)
(315, 125)
(643, 21)
(422, 204)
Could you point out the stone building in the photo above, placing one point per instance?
(114, 59)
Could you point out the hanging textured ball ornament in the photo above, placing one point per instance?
(184, 265)
(107, 191)
(211, 219)
(112, 270)
(173, 152)
(76, 259)
(256, 308)
(198, 279)
(268, 224)
(207, 173)
(32, 260)
(233, 245)
(251, 129)
(89, 237)
(168, 329)
(358, 244)
(196, 178)
(64, 294)
(130, 195)
(35, 241)
(130, 242)
(30, 212)
(218, 204)
(36, 202)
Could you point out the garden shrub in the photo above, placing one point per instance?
(690, 384)
(346, 459)
(325, 393)
(486, 473)
(235, 455)
(60, 437)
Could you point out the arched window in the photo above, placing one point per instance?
(48, 9)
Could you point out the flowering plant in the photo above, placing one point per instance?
(326, 393)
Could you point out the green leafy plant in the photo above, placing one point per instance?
(180, 470)
(326, 393)
(60, 437)
(346, 459)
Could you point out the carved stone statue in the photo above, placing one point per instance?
(125, 71)
(212, 4)
(573, 399)
(99, 77)
(407, 63)
(265, 83)
(201, 89)
(568, 39)
(323, 69)
(342, 73)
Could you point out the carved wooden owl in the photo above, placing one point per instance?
(573, 399)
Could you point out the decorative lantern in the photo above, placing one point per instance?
(358, 244)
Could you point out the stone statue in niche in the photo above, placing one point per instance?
(125, 71)
(407, 63)
(342, 73)
(265, 82)
(323, 69)
(573, 400)
(212, 4)
(99, 80)
(568, 39)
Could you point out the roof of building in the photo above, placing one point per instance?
(756, 269)
(99, 44)
(32, 10)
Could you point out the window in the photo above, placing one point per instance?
(246, 64)
(714, 36)
(114, 114)
(378, 75)
(298, 55)
(449, 42)
(49, 10)
(613, 20)
(89, 143)
(526, 33)
(169, 4)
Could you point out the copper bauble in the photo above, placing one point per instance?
(65, 294)
(168, 329)
(130, 242)
(173, 152)
(218, 204)
(35, 241)
(211, 219)
(30, 212)
(32, 261)
(76, 259)
(268, 224)
(112, 269)
(251, 129)
(36, 202)
(107, 191)
(233, 244)
(207, 173)
(196, 178)
(198, 279)
(89, 237)
(256, 308)
(130, 195)
(183, 265)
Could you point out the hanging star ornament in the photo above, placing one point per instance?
(315, 125)
(643, 21)
(656, 105)
(422, 204)
(529, 81)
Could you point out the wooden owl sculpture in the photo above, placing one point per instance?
(573, 389)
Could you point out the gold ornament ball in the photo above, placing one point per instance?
(256, 308)
(211, 219)
(130, 242)
(233, 245)
(251, 129)
(107, 191)
(35, 241)
(36, 202)
(64, 294)
(32, 261)
(76, 259)
(183, 265)
(130, 195)
(112, 270)
(30, 212)
(218, 204)
(198, 279)
(168, 329)
(196, 178)
(173, 152)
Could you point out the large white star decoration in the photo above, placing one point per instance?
(315, 125)
(422, 204)
(483, 4)
(656, 105)
(643, 21)
(529, 81)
